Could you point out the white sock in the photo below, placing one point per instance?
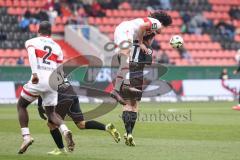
(25, 133)
(106, 126)
(63, 128)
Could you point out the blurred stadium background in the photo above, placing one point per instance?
(210, 29)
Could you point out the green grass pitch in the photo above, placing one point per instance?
(211, 132)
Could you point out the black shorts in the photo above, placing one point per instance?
(136, 80)
(68, 104)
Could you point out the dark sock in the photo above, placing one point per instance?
(126, 117)
(57, 138)
(133, 119)
(94, 125)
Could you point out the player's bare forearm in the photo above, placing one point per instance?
(32, 59)
(142, 29)
(149, 42)
(140, 36)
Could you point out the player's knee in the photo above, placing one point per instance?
(135, 108)
(127, 107)
(51, 126)
(22, 103)
(81, 125)
(50, 112)
(131, 106)
(133, 103)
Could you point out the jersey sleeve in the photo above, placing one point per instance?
(31, 56)
(155, 24)
(29, 43)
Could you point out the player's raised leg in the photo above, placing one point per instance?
(57, 137)
(76, 114)
(110, 128)
(121, 74)
(74, 111)
(69, 105)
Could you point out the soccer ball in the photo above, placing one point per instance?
(176, 41)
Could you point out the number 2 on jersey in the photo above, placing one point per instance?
(47, 55)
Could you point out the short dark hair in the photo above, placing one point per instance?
(45, 28)
(163, 17)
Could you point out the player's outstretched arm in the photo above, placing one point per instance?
(33, 63)
(141, 31)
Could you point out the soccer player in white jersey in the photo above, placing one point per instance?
(141, 32)
(45, 55)
(131, 31)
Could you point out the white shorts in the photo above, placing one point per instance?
(123, 33)
(31, 92)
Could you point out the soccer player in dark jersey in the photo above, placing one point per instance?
(68, 104)
(138, 59)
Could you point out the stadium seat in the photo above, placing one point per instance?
(203, 48)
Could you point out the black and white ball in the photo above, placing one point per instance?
(176, 41)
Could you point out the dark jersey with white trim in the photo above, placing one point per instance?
(139, 56)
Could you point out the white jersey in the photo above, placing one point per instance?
(135, 24)
(128, 30)
(44, 55)
(48, 55)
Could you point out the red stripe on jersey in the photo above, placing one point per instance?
(53, 57)
(40, 54)
(59, 61)
(29, 94)
(147, 20)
